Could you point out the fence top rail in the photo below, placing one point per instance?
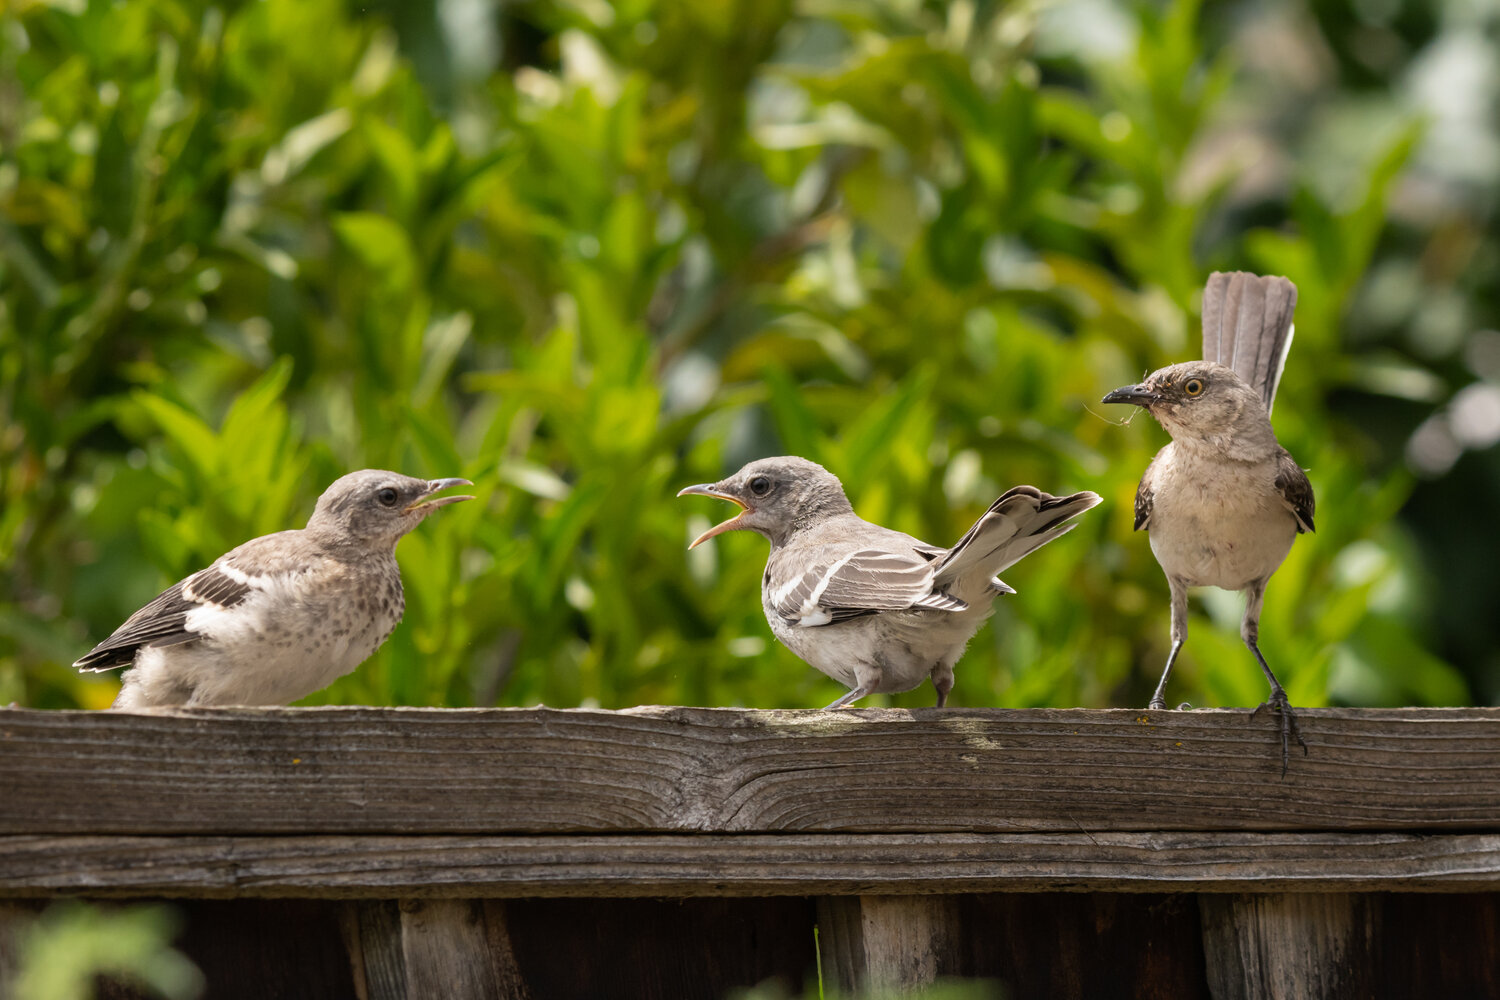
(407, 771)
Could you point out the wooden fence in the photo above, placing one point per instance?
(682, 853)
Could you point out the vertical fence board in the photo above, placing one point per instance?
(888, 943)
(1290, 946)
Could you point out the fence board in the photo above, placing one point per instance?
(521, 771)
(744, 865)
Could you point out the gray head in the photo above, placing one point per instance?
(373, 508)
(779, 497)
(1200, 400)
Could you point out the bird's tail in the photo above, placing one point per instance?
(1247, 326)
(1020, 522)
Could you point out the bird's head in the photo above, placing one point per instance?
(1196, 399)
(777, 496)
(373, 508)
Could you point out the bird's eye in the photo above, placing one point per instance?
(760, 486)
(1193, 386)
(387, 496)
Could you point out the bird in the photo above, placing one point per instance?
(875, 609)
(1223, 501)
(280, 616)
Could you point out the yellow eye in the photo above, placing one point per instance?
(1193, 386)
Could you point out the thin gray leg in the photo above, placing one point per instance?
(1179, 636)
(942, 680)
(1277, 702)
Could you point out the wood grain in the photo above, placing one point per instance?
(1289, 946)
(518, 771)
(887, 945)
(743, 865)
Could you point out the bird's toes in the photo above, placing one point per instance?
(1184, 707)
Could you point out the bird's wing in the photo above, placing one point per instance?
(1295, 490)
(228, 582)
(1145, 495)
(832, 583)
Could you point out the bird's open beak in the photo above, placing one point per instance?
(428, 502)
(1137, 394)
(708, 490)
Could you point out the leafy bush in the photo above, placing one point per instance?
(586, 254)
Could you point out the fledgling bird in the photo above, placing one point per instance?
(282, 615)
(1224, 500)
(875, 609)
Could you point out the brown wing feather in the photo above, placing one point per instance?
(1145, 496)
(1296, 490)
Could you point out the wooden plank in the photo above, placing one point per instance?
(743, 865)
(446, 947)
(888, 944)
(1289, 946)
(494, 771)
(1307, 945)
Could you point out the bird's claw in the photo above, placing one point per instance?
(1278, 703)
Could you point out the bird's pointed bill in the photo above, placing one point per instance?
(430, 502)
(718, 529)
(1138, 395)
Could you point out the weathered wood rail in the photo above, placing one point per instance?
(674, 852)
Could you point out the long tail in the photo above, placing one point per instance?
(1247, 326)
(1020, 522)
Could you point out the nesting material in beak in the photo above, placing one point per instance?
(718, 529)
(429, 503)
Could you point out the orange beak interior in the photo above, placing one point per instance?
(718, 529)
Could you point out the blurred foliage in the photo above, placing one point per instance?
(587, 253)
(71, 946)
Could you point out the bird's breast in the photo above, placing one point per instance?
(1219, 523)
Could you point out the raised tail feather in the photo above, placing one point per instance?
(1017, 524)
(1247, 326)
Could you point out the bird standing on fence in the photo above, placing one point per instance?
(1224, 500)
(282, 615)
(875, 609)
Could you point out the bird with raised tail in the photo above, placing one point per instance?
(283, 615)
(875, 609)
(1224, 500)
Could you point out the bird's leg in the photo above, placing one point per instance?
(1277, 701)
(866, 680)
(1179, 636)
(868, 687)
(942, 680)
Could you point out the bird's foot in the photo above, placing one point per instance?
(1185, 707)
(1158, 702)
(1278, 703)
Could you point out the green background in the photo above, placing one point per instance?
(586, 254)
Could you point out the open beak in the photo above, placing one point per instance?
(1136, 394)
(428, 502)
(708, 490)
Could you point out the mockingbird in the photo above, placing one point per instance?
(1223, 501)
(282, 615)
(875, 609)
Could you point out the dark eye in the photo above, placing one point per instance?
(1193, 386)
(387, 496)
(760, 486)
